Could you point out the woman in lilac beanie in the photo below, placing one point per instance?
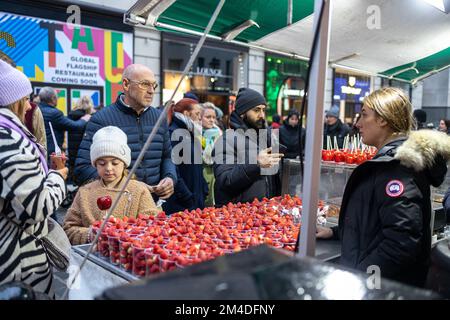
(29, 192)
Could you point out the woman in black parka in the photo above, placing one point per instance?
(386, 209)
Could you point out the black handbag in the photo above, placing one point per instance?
(55, 244)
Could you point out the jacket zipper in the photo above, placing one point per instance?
(141, 140)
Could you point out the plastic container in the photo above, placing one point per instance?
(126, 254)
(167, 264)
(151, 262)
(138, 265)
(103, 245)
(114, 251)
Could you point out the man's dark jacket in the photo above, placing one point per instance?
(241, 182)
(338, 130)
(156, 163)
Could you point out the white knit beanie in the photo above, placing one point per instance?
(110, 142)
(14, 85)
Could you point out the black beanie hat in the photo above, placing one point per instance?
(248, 99)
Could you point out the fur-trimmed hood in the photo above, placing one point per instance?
(426, 150)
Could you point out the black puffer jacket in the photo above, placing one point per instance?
(241, 181)
(386, 209)
(290, 137)
(75, 137)
(338, 130)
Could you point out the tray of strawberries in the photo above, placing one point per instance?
(147, 245)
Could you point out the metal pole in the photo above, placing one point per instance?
(314, 133)
(289, 13)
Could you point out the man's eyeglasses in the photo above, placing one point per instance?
(144, 84)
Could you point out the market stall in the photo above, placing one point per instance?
(408, 61)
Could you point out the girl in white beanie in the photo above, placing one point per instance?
(111, 156)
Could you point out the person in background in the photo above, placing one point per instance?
(219, 118)
(420, 117)
(191, 95)
(446, 204)
(84, 106)
(290, 135)
(35, 98)
(238, 177)
(444, 126)
(385, 214)
(34, 120)
(111, 156)
(98, 108)
(334, 127)
(211, 132)
(191, 188)
(30, 193)
(354, 128)
(60, 123)
(276, 121)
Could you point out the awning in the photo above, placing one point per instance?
(403, 39)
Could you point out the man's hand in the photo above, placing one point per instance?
(164, 189)
(86, 117)
(266, 159)
(323, 233)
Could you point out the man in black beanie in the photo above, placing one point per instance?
(245, 167)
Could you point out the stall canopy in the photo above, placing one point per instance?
(403, 39)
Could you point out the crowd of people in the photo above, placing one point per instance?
(194, 162)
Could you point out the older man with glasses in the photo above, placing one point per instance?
(133, 113)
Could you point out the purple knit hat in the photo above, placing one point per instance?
(14, 85)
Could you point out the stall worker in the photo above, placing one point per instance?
(385, 215)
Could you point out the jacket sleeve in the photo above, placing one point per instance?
(84, 171)
(401, 226)
(167, 165)
(73, 225)
(33, 194)
(146, 203)
(64, 123)
(233, 178)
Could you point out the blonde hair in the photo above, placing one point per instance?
(85, 103)
(19, 108)
(392, 105)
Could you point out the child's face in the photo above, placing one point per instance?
(110, 169)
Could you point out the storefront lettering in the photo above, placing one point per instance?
(87, 38)
(51, 30)
(350, 90)
(209, 72)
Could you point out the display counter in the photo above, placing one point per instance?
(99, 274)
(333, 179)
(265, 273)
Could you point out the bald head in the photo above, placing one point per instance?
(136, 70)
(138, 83)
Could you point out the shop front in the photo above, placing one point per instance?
(349, 90)
(76, 60)
(285, 84)
(216, 75)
